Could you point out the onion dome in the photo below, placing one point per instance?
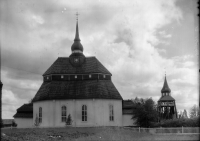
(77, 46)
(165, 88)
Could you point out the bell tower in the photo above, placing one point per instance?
(166, 103)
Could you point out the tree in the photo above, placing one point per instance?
(185, 114)
(144, 112)
(69, 120)
(194, 111)
(180, 114)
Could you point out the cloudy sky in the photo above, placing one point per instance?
(136, 40)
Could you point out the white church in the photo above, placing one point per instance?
(80, 86)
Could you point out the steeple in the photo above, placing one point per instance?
(77, 33)
(165, 88)
(77, 46)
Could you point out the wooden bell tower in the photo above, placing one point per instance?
(166, 103)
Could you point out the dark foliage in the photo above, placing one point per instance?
(69, 120)
(144, 112)
(14, 124)
(37, 123)
(185, 122)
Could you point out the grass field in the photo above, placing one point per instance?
(87, 133)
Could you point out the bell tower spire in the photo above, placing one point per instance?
(77, 46)
(165, 88)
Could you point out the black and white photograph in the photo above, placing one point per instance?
(99, 70)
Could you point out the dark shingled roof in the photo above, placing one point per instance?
(127, 104)
(23, 115)
(88, 89)
(63, 66)
(127, 107)
(166, 98)
(165, 87)
(25, 111)
(26, 108)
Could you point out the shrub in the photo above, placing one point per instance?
(185, 122)
(37, 123)
(69, 120)
(14, 124)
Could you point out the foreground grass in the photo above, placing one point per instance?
(86, 133)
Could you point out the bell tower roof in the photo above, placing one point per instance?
(165, 88)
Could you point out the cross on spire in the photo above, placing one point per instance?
(165, 72)
(77, 15)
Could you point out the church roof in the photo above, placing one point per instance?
(87, 89)
(26, 108)
(127, 107)
(63, 66)
(25, 111)
(23, 115)
(165, 87)
(166, 98)
(127, 104)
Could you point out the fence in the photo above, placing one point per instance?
(167, 130)
(189, 130)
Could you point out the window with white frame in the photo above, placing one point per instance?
(84, 113)
(62, 76)
(111, 115)
(75, 76)
(64, 114)
(40, 115)
(90, 76)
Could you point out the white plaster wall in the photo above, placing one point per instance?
(97, 112)
(127, 121)
(24, 122)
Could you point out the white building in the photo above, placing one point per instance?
(80, 86)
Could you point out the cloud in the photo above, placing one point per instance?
(10, 102)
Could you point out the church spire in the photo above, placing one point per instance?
(77, 32)
(77, 46)
(165, 88)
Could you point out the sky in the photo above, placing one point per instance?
(136, 40)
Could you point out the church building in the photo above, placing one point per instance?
(80, 86)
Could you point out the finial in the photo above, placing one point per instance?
(165, 72)
(77, 16)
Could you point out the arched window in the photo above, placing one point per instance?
(84, 113)
(111, 115)
(64, 114)
(40, 114)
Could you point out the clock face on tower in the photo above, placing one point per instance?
(76, 60)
